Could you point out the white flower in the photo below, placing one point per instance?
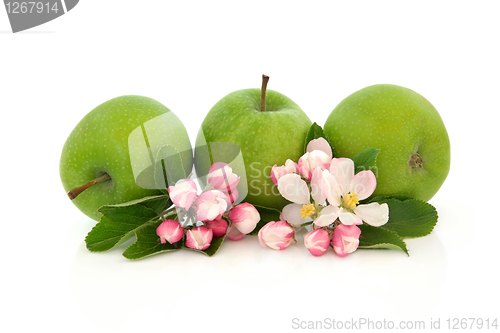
(292, 187)
(344, 190)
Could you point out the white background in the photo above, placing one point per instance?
(188, 55)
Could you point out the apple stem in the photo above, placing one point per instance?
(415, 161)
(76, 191)
(265, 78)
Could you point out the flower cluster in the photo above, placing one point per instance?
(325, 192)
(201, 217)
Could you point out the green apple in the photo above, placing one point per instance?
(110, 157)
(266, 126)
(414, 156)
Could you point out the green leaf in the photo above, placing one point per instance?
(380, 238)
(410, 218)
(148, 243)
(213, 248)
(315, 132)
(400, 197)
(158, 203)
(366, 160)
(119, 222)
(266, 215)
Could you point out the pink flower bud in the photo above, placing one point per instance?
(276, 173)
(345, 239)
(183, 193)
(317, 241)
(170, 231)
(279, 171)
(244, 217)
(231, 197)
(234, 234)
(199, 238)
(222, 178)
(218, 227)
(276, 235)
(311, 160)
(210, 205)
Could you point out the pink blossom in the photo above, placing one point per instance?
(231, 197)
(345, 239)
(210, 205)
(222, 178)
(170, 231)
(233, 233)
(244, 217)
(344, 189)
(276, 235)
(312, 160)
(292, 187)
(183, 193)
(218, 226)
(199, 238)
(317, 241)
(320, 144)
(279, 171)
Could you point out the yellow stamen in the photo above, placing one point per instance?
(351, 200)
(307, 210)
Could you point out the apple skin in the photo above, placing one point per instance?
(265, 139)
(99, 144)
(399, 122)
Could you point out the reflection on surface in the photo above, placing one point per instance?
(113, 291)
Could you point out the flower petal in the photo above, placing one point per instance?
(311, 160)
(327, 216)
(199, 238)
(374, 214)
(291, 214)
(293, 188)
(222, 178)
(316, 192)
(330, 188)
(317, 241)
(244, 217)
(183, 193)
(277, 235)
(345, 239)
(276, 173)
(262, 232)
(218, 227)
(320, 144)
(170, 231)
(291, 166)
(363, 184)
(349, 218)
(186, 185)
(343, 171)
(210, 205)
(233, 233)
